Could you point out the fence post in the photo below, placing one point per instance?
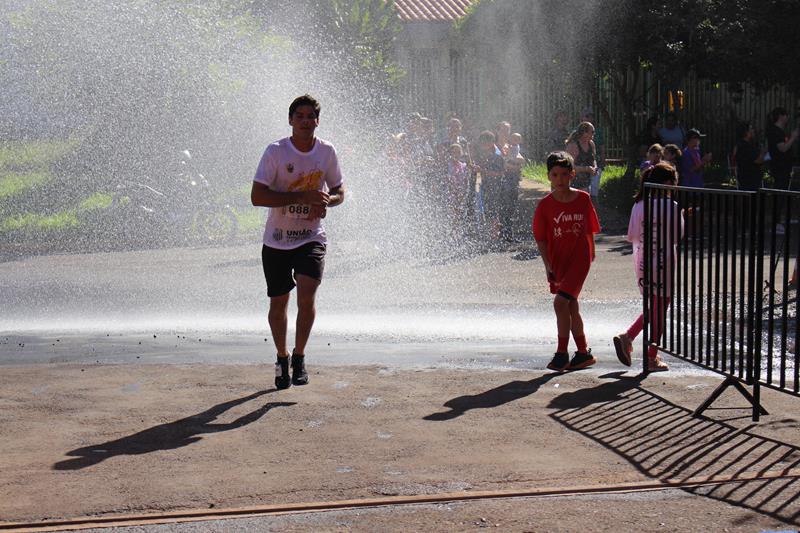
(648, 274)
(754, 361)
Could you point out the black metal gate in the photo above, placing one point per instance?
(721, 267)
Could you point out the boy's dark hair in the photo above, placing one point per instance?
(560, 159)
(661, 173)
(487, 136)
(306, 99)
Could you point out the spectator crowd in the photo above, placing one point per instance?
(470, 187)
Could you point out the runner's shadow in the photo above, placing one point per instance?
(167, 436)
(503, 394)
(608, 391)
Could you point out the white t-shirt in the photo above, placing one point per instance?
(663, 263)
(283, 168)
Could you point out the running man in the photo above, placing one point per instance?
(298, 178)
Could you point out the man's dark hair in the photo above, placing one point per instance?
(487, 136)
(560, 159)
(306, 99)
(776, 113)
(741, 129)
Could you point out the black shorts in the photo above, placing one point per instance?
(280, 266)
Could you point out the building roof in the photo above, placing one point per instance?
(431, 10)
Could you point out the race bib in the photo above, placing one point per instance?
(301, 211)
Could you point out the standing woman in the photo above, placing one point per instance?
(780, 147)
(748, 158)
(502, 133)
(580, 146)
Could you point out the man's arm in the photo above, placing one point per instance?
(335, 197)
(786, 145)
(263, 196)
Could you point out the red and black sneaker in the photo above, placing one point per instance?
(582, 360)
(559, 362)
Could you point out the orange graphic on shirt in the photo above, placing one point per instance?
(307, 182)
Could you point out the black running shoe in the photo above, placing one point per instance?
(559, 362)
(282, 380)
(582, 360)
(299, 374)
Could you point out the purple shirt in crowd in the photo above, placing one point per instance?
(691, 157)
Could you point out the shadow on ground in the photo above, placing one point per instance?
(508, 392)
(664, 441)
(167, 436)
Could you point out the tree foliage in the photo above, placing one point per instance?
(140, 81)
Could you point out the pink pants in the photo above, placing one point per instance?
(658, 315)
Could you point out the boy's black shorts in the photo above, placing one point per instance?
(280, 266)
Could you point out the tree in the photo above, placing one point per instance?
(581, 43)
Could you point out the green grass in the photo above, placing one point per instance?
(535, 172)
(615, 189)
(98, 200)
(538, 172)
(37, 155)
(35, 221)
(14, 183)
(65, 219)
(25, 165)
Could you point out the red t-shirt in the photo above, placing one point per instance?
(567, 228)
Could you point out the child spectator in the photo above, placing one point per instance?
(502, 134)
(692, 162)
(663, 210)
(654, 155)
(672, 155)
(457, 182)
(514, 140)
(564, 225)
(454, 129)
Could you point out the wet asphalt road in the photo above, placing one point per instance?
(208, 305)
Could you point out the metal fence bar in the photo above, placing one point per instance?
(648, 275)
(727, 313)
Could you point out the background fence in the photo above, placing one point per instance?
(485, 92)
(733, 309)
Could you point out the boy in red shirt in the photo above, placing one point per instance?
(564, 225)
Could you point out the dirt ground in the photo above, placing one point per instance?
(87, 428)
(104, 439)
